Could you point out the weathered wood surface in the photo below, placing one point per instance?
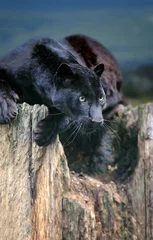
(41, 200)
(32, 182)
(140, 186)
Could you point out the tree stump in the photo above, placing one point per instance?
(40, 199)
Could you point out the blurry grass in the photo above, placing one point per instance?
(141, 100)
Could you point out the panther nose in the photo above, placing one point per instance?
(98, 120)
(96, 115)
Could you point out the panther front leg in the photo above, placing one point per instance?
(47, 129)
(8, 106)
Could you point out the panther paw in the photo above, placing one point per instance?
(8, 106)
(44, 132)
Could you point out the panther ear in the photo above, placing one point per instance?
(99, 69)
(64, 70)
(64, 75)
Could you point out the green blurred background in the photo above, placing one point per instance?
(124, 27)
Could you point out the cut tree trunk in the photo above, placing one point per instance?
(40, 199)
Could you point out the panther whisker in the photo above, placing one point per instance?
(55, 114)
(76, 131)
(71, 123)
(111, 121)
(113, 132)
(69, 137)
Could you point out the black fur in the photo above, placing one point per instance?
(42, 71)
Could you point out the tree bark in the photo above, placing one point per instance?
(40, 199)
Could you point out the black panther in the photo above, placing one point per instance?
(90, 148)
(43, 71)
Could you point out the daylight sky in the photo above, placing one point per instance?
(125, 27)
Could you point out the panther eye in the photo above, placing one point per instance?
(101, 98)
(82, 99)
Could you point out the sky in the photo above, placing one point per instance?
(56, 4)
(124, 27)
